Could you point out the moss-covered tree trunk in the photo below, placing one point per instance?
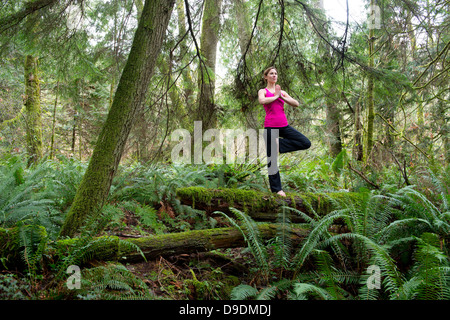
(33, 110)
(208, 47)
(130, 93)
(107, 248)
(263, 206)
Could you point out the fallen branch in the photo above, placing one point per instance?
(373, 184)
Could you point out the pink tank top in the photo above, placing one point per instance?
(275, 116)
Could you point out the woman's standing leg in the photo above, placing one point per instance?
(271, 138)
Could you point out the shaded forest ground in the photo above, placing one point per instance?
(143, 201)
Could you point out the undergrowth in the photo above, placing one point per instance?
(399, 231)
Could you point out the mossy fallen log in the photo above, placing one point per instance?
(112, 248)
(265, 206)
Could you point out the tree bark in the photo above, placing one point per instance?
(370, 88)
(208, 47)
(358, 142)
(243, 24)
(199, 241)
(33, 110)
(130, 93)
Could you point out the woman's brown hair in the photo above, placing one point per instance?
(266, 72)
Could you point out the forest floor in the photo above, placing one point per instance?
(196, 276)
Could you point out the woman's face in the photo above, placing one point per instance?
(272, 76)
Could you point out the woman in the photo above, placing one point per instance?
(276, 125)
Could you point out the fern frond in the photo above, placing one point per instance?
(114, 282)
(318, 234)
(431, 268)
(393, 278)
(303, 291)
(243, 292)
(283, 238)
(252, 236)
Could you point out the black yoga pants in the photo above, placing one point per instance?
(289, 140)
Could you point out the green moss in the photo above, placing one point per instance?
(100, 248)
(248, 199)
(252, 200)
(324, 203)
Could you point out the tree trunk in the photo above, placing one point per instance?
(109, 248)
(188, 83)
(33, 110)
(52, 140)
(74, 132)
(333, 136)
(243, 24)
(370, 87)
(358, 142)
(208, 47)
(263, 206)
(130, 93)
(246, 68)
(333, 128)
(200, 241)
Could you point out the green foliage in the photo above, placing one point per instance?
(28, 195)
(333, 266)
(251, 234)
(11, 288)
(402, 231)
(148, 217)
(112, 282)
(430, 275)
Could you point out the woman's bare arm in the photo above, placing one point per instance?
(265, 100)
(288, 99)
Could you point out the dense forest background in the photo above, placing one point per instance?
(373, 100)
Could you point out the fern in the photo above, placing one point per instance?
(33, 240)
(328, 274)
(283, 239)
(415, 205)
(393, 279)
(303, 291)
(243, 292)
(251, 234)
(112, 282)
(431, 269)
(246, 292)
(316, 237)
